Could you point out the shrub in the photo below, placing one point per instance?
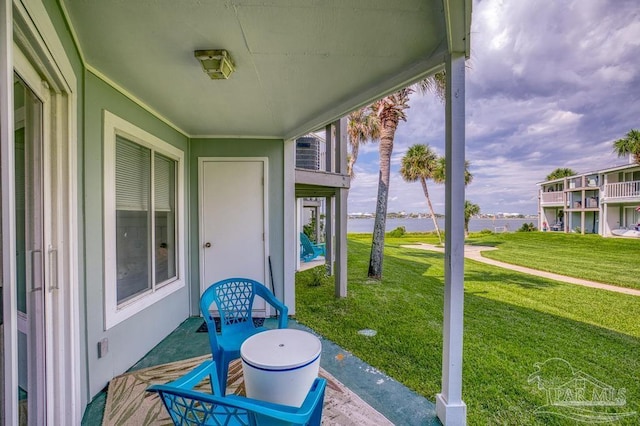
(527, 227)
(318, 276)
(398, 232)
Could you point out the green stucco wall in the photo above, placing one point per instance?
(274, 151)
(134, 337)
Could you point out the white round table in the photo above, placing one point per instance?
(280, 365)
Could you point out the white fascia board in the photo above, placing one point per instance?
(594, 172)
(618, 168)
(457, 16)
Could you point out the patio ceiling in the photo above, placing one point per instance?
(299, 63)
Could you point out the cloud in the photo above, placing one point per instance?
(549, 84)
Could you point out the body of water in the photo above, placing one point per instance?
(426, 224)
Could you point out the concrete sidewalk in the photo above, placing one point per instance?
(474, 253)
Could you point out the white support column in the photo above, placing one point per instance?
(541, 218)
(604, 215)
(299, 228)
(329, 226)
(316, 212)
(291, 261)
(341, 210)
(450, 408)
(565, 203)
(341, 243)
(9, 393)
(330, 222)
(328, 147)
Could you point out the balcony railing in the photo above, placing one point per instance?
(552, 198)
(622, 190)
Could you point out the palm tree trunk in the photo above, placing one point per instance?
(387, 134)
(423, 181)
(355, 147)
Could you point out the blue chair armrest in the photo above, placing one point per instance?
(285, 413)
(282, 309)
(195, 376)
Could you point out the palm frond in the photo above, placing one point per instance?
(436, 84)
(629, 145)
(420, 161)
(362, 127)
(560, 172)
(440, 173)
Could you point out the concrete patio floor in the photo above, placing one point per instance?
(393, 400)
(320, 260)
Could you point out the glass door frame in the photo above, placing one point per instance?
(25, 27)
(9, 404)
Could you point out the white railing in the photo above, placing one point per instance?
(323, 155)
(552, 198)
(622, 190)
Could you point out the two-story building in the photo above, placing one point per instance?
(599, 202)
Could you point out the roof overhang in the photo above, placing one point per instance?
(299, 65)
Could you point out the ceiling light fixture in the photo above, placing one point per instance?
(216, 63)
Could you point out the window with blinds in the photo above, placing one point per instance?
(144, 220)
(145, 186)
(133, 175)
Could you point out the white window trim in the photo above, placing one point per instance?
(114, 314)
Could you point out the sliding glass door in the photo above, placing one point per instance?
(28, 158)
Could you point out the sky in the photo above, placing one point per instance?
(549, 84)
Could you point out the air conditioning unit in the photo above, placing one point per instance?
(308, 153)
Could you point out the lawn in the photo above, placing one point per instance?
(512, 321)
(608, 260)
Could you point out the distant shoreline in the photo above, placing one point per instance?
(365, 225)
(442, 217)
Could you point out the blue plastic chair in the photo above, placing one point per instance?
(234, 299)
(189, 407)
(308, 250)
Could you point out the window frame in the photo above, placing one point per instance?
(114, 313)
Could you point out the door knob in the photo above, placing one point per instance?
(207, 245)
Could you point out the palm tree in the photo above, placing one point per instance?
(440, 172)
(470, 209)
(419, 163)
(629, 145)
(390, 111)
(362, 126)
(560, 173)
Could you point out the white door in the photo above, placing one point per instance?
(29, 251)
(233, 235)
